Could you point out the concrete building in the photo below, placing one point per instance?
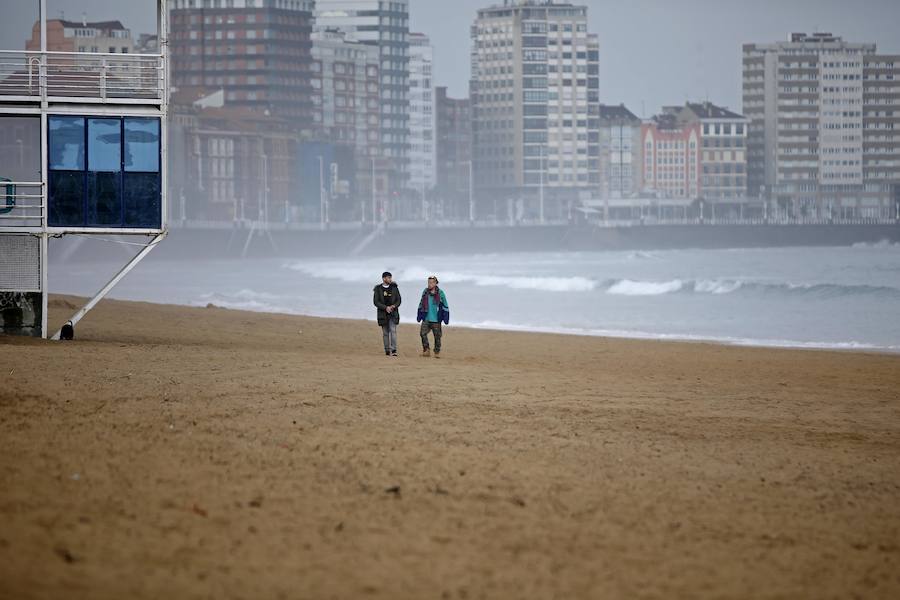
(620, 152)
(671, 156)
(83, 36)
(824, 137)
(386, 26)
(349, 109)
(454, 151)
(258, 51)
(231, 163)
(422, 153)
(349, 117)
(723, 162)
(535, 97)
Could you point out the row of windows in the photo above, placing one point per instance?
(104, 172)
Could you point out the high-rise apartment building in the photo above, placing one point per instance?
(535, 98)
(348, 92)
(258, 51)
(385, 25)
(422, 159)
(825, 126)
(620, 152)
(454, 153)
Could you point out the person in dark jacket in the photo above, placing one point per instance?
(433, 310)
(387, 300)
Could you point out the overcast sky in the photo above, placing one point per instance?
(652, 52)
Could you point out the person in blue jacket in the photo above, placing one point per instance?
(433, 311)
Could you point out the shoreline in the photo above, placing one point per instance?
(849, 347)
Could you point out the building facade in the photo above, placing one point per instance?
(348, 101)
(620, 152)
(824, 126)
(454, 153)
(671, 156)
(258, 51)
(423, 145)
(723, 161)
(535, 98)
(110, 37)
(386, 26)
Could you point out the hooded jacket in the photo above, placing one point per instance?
(443, 309)
(384, 297)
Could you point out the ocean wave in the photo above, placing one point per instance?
(360, 274)
(247, 300)
(679, 337)
(885, 243)
(630, 287)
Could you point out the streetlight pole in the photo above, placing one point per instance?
(542, 185)
(471, 195)
(265, 173)
(321, 192)
(374, 208)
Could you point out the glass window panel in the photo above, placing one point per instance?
(66, 143)
(142, 145)
(104, 202)
(142, 200)
(104, 145)
(66, 206)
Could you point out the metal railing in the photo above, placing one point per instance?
(114, 78)
(22, 204)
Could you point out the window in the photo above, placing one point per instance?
(104, 172)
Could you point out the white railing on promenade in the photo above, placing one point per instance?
(114, 78)
(22, 205)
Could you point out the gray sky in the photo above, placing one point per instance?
(653, 52)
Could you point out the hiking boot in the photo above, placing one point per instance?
(426, 353)
(394, 353)
(437, 354)
(387, 352)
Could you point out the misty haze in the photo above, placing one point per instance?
(487, 298)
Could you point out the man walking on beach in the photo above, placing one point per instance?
(387, 301)
(433, 310)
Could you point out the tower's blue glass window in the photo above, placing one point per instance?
(104, 145)
(104, 172)
(142, 145)
(66, 145)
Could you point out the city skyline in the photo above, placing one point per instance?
(702, 58)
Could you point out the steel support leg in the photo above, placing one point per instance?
(112, 282)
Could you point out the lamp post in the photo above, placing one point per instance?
(321, 192)
(471, 195)
(541, 214)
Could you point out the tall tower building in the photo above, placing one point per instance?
(824, 138)
(385, 25)
(258, 51)
(422, 159)
(535, 104)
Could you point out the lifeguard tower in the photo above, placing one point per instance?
(82, 151)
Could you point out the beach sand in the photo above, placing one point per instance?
(174, 452)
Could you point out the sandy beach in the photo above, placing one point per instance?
(174, 452)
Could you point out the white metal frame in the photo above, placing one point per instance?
(98, 103)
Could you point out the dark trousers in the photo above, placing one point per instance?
(436, 328)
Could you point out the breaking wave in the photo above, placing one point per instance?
(628, 287)
(616, 287)
(363, 274)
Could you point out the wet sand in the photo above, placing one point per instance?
(174, 452)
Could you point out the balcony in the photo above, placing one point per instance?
(22, 206)
(81, 77)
